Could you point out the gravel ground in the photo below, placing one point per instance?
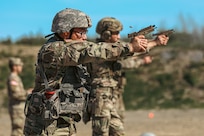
(163, 123)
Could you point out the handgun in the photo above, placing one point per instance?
(143, 31)
(167, 32)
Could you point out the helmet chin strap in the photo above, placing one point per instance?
(49, 35)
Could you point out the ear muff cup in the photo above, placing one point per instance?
(106, 35)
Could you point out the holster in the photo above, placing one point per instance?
(33, 110)
(34, 104)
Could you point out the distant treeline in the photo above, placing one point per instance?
(37, 39)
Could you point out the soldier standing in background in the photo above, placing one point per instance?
(58, 98)
(102, 109)
(17, 96)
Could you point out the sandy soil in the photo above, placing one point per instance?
(164, 123)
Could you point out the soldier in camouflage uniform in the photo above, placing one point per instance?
(61, 84)
(17, 96)
(105, 119)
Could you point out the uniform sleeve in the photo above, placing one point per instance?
(102, 51)
(74, 53)
(131, 62)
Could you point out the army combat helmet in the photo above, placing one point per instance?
(15, 61)
(107, 25)
(69, 18)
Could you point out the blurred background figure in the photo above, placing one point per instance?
(17, 96)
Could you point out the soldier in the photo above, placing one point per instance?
(105, 119)
(61, 85)
(17, 96)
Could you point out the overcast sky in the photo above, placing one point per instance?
(23, 17)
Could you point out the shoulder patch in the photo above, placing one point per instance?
(13, 82)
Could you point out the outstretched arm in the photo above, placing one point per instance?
(159, 40)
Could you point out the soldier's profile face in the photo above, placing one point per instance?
(18, 68)
(115, 36)
(79, 34)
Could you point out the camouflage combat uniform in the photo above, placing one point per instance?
(106, 105)
(131, 62)
(105, 119)
(17, 96)
(61, 85)
(59, 59)
(106, 84)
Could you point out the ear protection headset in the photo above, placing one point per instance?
(106, 35)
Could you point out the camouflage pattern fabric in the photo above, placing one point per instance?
(17, 96)
(73, 18)
(55, 57)
(105, 119)
(109, 121)
(109, 24)
(131, 62)
(59, 54)
(119, 103)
